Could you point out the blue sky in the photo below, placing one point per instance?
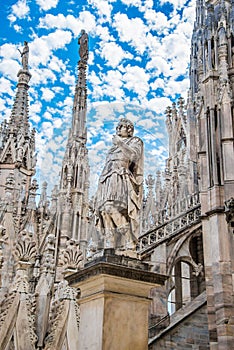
(138, 65)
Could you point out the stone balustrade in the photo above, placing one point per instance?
(188, 212)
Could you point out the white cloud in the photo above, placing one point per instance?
(103, 8)
(106, 112)
(47, 115)
(156, 20)
(57, 123)
(47, 128)
(94, 79)
(60, 21)
(53, 145)
(103, 34)
(47, 94)
(19, 10)
(9, 51)
(142, 5)
(5, 86)
(35, 107)
(12, 18)
(56, 64)
(132, 31)
(158, 152)
(88, 21)
(9, 68)
(176, 87)
(41, 48)
(75, 24)
(47, 4)
(189, 12)
(171, 59)
(2, 106)
(109, 84)
(136, 80)
(158, 104)
(42, 76)
(57, 89)
(114, 54)
(147, 123)
(18, 28)
(68, 79)
(136, 3)
(159, 65)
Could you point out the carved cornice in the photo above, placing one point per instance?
(102, 265)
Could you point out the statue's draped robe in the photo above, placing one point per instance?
(120, 184)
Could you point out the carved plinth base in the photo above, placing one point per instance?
(114, 303)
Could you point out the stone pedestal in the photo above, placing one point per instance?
(114, 303)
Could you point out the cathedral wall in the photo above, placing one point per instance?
(190, 333)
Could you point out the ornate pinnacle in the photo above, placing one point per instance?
(181, 103)
(168, 111)
(19, 114)
(174, 111)
(150, 182)
(80, 98)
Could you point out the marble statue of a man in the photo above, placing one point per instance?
(83, 42)
(24, 55)
(119, 195)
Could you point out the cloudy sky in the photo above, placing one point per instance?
(138, 65)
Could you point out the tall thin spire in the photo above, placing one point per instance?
(200, 13)
(74, 183)
(19, 114)
(17, 140)
(80, 99)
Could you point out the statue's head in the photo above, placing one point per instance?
(128, 124)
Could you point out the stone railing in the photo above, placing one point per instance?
(166, 214)
(171, 226)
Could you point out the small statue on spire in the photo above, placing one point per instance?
(24, 55)
(83, 42)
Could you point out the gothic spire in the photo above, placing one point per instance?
(200, 13)
(19, 113)
(80, 104)
(17, 140)
(74, 181)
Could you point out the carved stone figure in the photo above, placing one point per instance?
(20, 153)
(83, 42)
(24, 55)
(119, 195)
